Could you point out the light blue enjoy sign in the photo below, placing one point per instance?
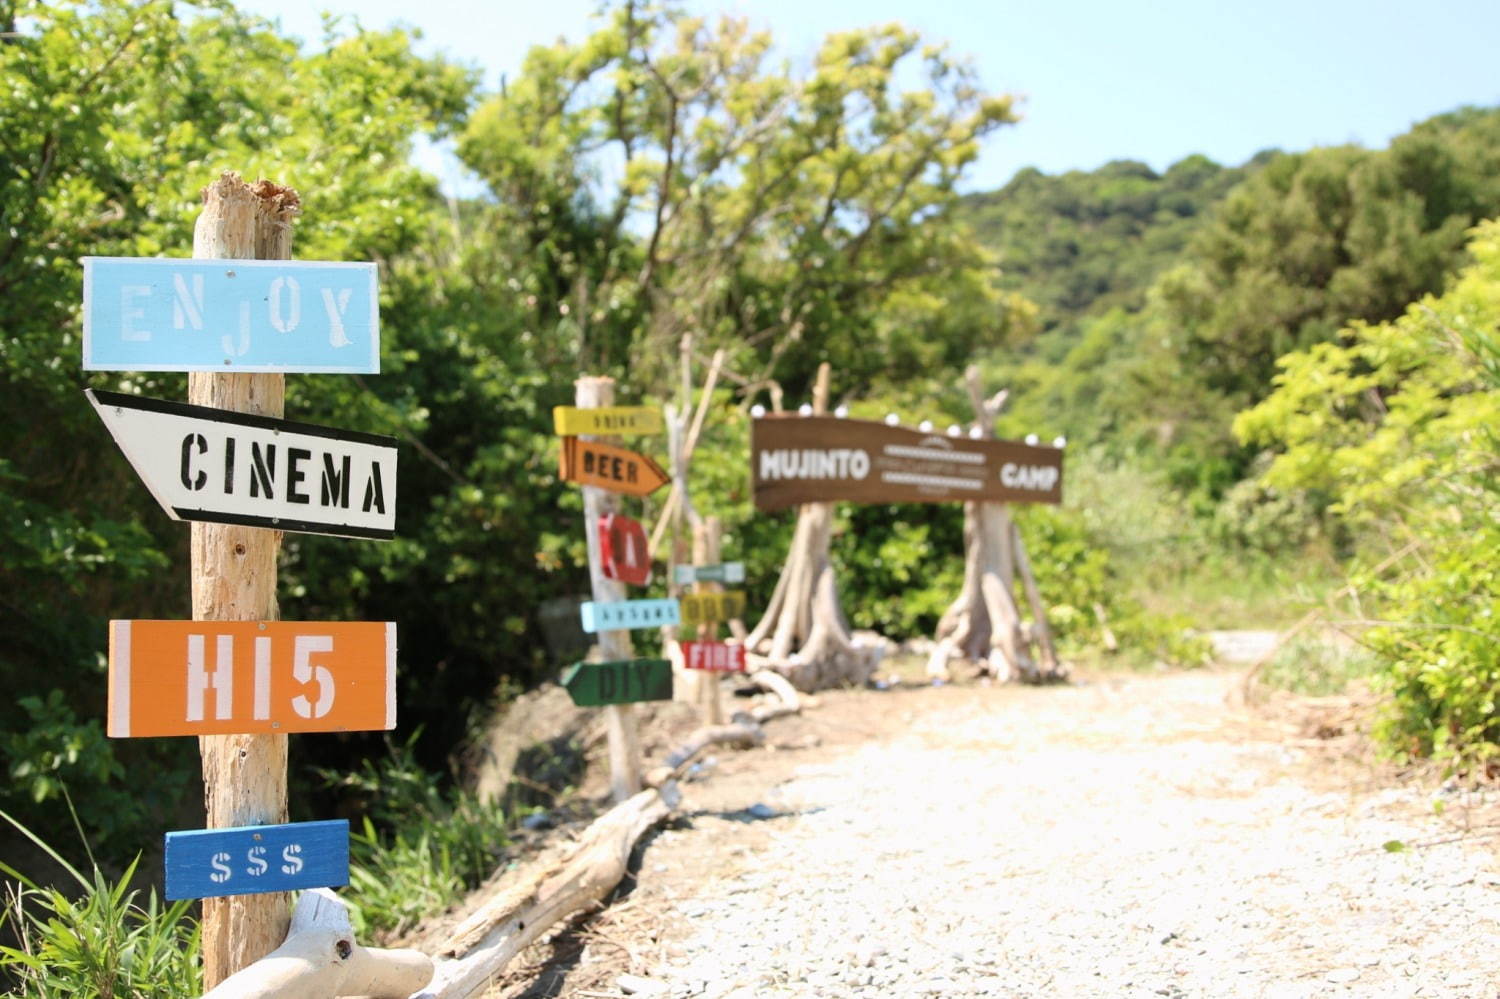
(156, 314)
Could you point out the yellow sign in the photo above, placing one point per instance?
(570, 421)
(707, 608)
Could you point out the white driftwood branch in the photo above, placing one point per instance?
(320, 960)
(744, 730)
(489, 939)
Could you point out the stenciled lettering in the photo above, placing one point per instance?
(1038, 477)
(815, 463)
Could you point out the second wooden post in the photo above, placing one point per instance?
(624, 743)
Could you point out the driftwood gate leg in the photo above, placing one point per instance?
(804, 634)
(983, 624)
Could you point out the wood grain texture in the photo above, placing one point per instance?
(234, 579)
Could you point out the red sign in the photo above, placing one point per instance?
(623, 549)
(718, 656)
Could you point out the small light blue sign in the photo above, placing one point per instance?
(208, 863)
(157, 314)
(628, 615)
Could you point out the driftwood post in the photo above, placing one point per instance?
(234, 579)
(624, 743)
(804, 634)
(706, 552)
(983, 624)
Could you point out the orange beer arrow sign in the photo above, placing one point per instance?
(250, 677)
(617, 469)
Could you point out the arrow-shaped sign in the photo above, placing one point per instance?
(213, 465)
(590, 463)
(621, 682)
(569, 421)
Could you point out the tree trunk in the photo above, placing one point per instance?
(804, 634)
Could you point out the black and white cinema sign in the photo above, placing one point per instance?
(233, 468)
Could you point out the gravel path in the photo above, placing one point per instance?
(1122, 839)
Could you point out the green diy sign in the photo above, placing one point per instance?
(623, 681)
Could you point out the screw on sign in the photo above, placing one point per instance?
(716, 656)
(237, 677)
(623, 549)
(248, 860)
(620, 682)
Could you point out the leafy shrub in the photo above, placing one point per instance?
(1397, 424)
(418, 849)
(102, 943)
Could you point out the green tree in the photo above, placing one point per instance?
(666, 175)
(115, 114)
(1397, 422)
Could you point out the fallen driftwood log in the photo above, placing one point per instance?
(744, 730)
(492, 936)
(481, 946)
(320, 959)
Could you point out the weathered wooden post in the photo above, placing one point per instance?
(624, 743)
(706, 552)
(234, 579)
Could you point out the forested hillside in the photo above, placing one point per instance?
(788, 219)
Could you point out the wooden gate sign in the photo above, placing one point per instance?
(628, 615)
(570, 421)
(207, 464)
(717, 656)
(150, 314)
(820, 459)
(590, 463)
(707, 608)
(208, 863)
(729, 572)
(621, 682)
(251, 677)
(623, 549)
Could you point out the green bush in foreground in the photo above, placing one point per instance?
(102, 943)
(1398, 423)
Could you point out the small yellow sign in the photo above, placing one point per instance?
(707, 608)
(570, 421)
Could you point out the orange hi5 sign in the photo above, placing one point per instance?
(228, 677)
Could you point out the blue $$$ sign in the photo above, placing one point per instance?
(209, 863)
(158, 314)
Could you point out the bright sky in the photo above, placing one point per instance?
(1101, 79)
